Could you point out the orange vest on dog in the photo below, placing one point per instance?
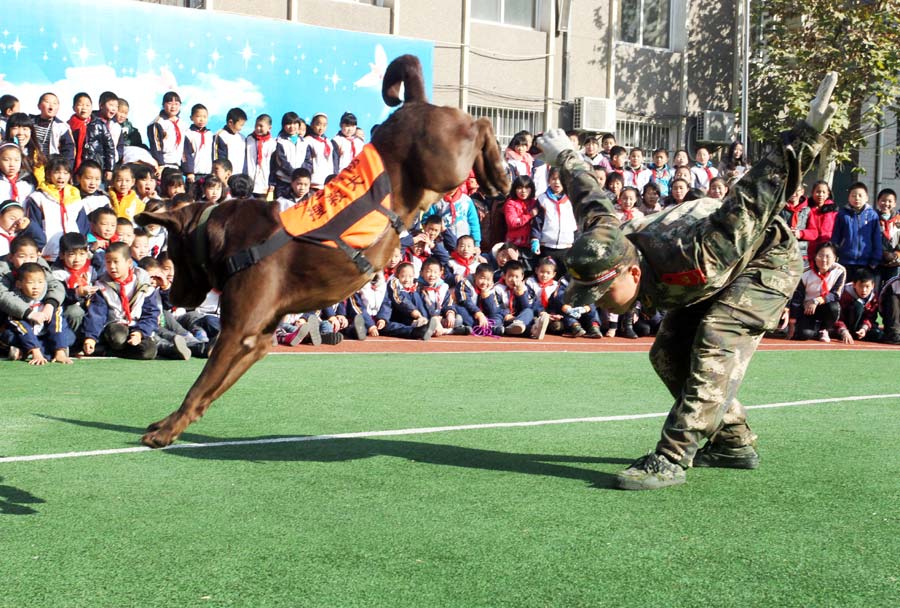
(347, 207)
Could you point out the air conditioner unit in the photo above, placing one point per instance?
(715, 127)
(594, 114)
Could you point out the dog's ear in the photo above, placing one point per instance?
(404, 71)
(173, 221)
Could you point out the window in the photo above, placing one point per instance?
(645, 22)
(509, 12)
(645, 134)
(507, 122)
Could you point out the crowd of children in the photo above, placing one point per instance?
(77, 274)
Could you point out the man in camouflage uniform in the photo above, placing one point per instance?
(723, 271)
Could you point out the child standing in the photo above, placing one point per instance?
(52, 134)
(198, 149)
(703, 171)
(627, 202)
(519, 162)
(734, 164)
(166, 134)
(822, 215)
(107, 113)
(660, 173)
(650, 199)
(890, 237)
(93, 140)
(857, 232)
(260, 149)
(9, 105)
(554, 225)
(458, 216)
(321, 156)
(347, 143)
(290, 153)
(229, 143)
(796, 213)
(122, 315)
(36, 336)
(520, 209)
(56, 206)
(636, 176)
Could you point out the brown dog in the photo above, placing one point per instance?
(426, 151)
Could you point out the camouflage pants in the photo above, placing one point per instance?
(701, 353)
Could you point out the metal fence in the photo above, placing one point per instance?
(507, 121)
(647, 135)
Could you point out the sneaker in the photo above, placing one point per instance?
(516, 328)
(359, 327)
(628, 332)
(420, 322)
(744, 457)
(594, 332)
(462, 330)
(823, 336)
(332, 338)
(651, 472)
(181, 347)
(15, 353)
(200, 334)
(539, 328)
(424, 332)
(578, 330)
(293, 338)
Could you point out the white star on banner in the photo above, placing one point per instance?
(247, 53)
(17, 46)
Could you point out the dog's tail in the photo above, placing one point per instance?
(405, 71)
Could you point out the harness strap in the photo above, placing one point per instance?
(248, 257)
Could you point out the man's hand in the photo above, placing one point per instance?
(820, 108)
(552, 143)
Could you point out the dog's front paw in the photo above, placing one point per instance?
(159, 438)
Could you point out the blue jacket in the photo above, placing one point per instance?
(399, 304)
(857, 235)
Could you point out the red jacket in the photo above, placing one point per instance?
(518, 220)
(820, 226)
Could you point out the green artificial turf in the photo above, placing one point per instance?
(487, 517)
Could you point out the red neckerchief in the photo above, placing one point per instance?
(260, 141)
(126, 304)
(174, 121)
(795, 212)
(453, 198)
(464, 262)
(657, 175)
(409, 254)
(79, 130)
(886, 227)
(627, 214)
(509, 295)
(353, 146)
(388, 272)
(79, 277)
(324, 141)
(634, 174)
(113, 239)
(526, 159)
(545, 293)
(824, 279)
(13, 188)
(8, 237)
(202, 133)
(709, 175)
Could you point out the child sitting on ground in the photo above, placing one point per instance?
(14, 222)
(815, 307)
(73, 269)
(403, 313)
(140, 245)
(123, 314)
(172, 340)
(436, 295)
(859, 310)
(34, 334)
(463, 260)
(56, 206)
(547, 305)
(515, 300)
(124, 231)
(124, 200)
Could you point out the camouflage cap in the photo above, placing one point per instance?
(594, 262)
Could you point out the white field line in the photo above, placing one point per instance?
(419, 431)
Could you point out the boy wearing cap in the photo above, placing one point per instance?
(347, 143)
(723, 271)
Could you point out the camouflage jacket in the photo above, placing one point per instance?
(692, 251)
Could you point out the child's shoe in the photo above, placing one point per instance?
(824, 337)
(577, 330)
(181, 347)
(15, 353)
(359, 327)
(461, 330)
(331, 338)
(516, 328)
(539, 329)
(425, 332)
(594, 331)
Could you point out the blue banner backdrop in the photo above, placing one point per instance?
(140, 50)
